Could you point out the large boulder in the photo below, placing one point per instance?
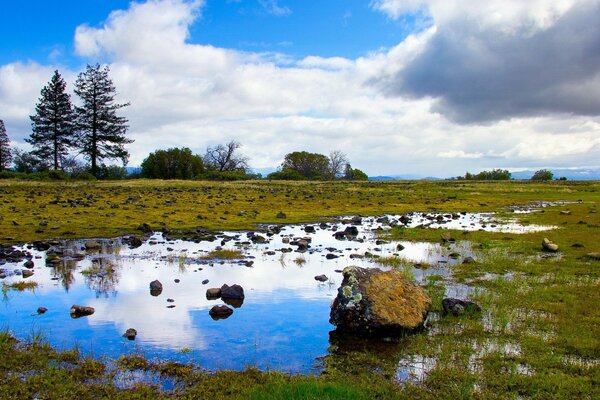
(374, 302)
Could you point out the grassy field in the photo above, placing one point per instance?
(538, 336)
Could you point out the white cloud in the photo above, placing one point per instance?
(273, 7)
(186, 94)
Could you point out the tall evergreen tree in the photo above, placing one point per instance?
(53, 123)
(102, 131)
(5, 150)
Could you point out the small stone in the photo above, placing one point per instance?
(458, 307)
(548, 245)
(593, 256)
(399, 247)
(331, 256)
(28, 264)
(204, 282)
(156, 288)
(213, 293)
(26, 273)
(281, 215)
(565, 212)
(321, 278)
(130, 334)
(177, 281)
(469, 260)
(170, 301)
(42, 310)
(81, 311)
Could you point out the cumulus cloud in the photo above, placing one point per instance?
(187, 94)
(492, 60)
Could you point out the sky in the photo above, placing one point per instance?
(403, 87)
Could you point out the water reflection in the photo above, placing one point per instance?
(283, 322)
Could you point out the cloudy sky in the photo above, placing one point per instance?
(403, 87)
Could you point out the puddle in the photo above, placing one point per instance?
(283, 323)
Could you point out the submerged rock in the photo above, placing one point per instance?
(458, 307)
(548, 245)
(374, 302)
(42, 310)
(81, 311)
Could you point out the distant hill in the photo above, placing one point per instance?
(403, 178)
(581, 174)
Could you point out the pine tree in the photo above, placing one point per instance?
(101, 130)
(53, 123)
(5, 150)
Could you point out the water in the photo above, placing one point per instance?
(283, 323)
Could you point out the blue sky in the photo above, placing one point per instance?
(402, 87)
(43, 31)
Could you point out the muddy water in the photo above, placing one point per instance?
(282, 323)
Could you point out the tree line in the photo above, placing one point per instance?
(504, 175)
(62, 131)
(225, 162)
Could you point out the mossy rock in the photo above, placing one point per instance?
(374, 302)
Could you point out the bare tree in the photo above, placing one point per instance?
(225, 158)
(337, 163)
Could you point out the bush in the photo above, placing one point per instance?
(229, 176)
(287, 175)
(542, 175)
(173, 163)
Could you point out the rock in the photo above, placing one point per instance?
(92, 245)
(356, 220)
(548, 245)
(302, 244)
(213, 293)
(469, 260)
(130, 334)
(220, 312)
(156, 288)
(447, 238)
(281, 215)
(351, 231)
(232, 295)
(28, 264)
(399, 247)
(81, 311)
(258, 239)
(577, 245)
(459, 307)
(204, 282)
(339, 235)
(132, 241)
(26, 273)
(565, 212)
(145, 228)
(309, 229)
(331, 256)
(593, 256)
(374, 302)
(42, 310)
(321, 278)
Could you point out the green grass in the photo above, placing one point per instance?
(20, 286)
(224, 254)
(538, 336)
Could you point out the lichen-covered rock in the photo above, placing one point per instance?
(548, 245)
(374, 302)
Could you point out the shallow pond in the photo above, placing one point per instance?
(282, 324)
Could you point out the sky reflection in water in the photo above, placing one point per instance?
(282, 324)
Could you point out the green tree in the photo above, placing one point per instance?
(101, 130)
(172, 164)
(354, 174)
(53, 123)
(309, 165)
(6, 155)
(542, 175)
(493, 175)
